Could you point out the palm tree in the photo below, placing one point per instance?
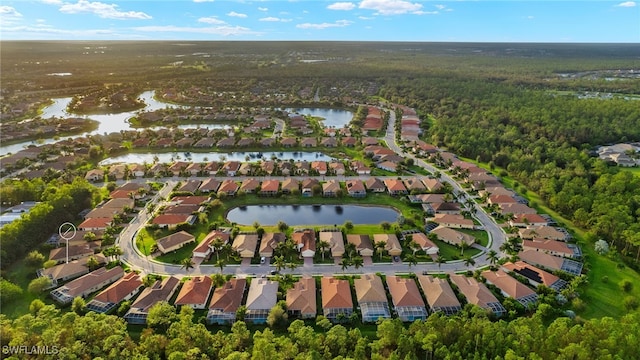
(415, 247)
(218, 280)
(279, 263)
(357, 262)
(221, 263)
(217, 245)
(440, 260)
(492, 256)
(323, 246)
(463, 246)
(411, 259)
(468, 261)
(92, 263)
(186, 264)
(380, 247)
(350, 249)
(344, 264)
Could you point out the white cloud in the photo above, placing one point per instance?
(421, 12)
(52, 2)
(342, 6)
(201, 1)
(107, 11)
(274, 19)
(211, 20)
(530, 17)
(263, 9)
(235, 14)
(9, 11)
(322, 26)
(225, 30)
(627, 4)
(391, 7)
(440, 6)
(366, 18)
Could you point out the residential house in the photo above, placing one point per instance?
(194, 169)
(269, 242)
(267, 142)
(501, 199)
(307, 187)
(123, 289)
(95, 175)
(225, 302)
(286, 168)
(209, 185)
(205, 247)
(195, 292)
(363, 244)
(330, 188)
(439, 294)
(414, 185)
(428, 246)
(289, 185)
(226, 142)
(432, 185)
(245, 142)
(268, 166)
(228, 187)
(250, 185)
(184, 143)
(178, 167)
(393, 244)
(117, 171)
(245, 245)
(245, 168)
(303, 167)
(190, 186)
(262, 296)
(552, 247)
(516, 208)
(336, 299)
(301, 298)
(337, 167)
(453, 237)
(64, 272)
(159, 291)
(190, 200)
(534, 275)
(395, 187)
(453, 221)
(355, 188)
(269, 188)
(171, 221)
(372, 298)
(360, 168)
(305, 241)
(75, 252)
(335, 240)
(510, 287)
(375, 185)
(206, 142)
(477, 294)
(288, 142)
(406, 299)
(308, 142)
(174, 241)
(329, 142)
(211, 168)
(551, 262)
(319, 166)
(388, 166)
(86, 284)
(93, 224)
(349, 141)
(543, 232)
(231, 167)
(524, 220)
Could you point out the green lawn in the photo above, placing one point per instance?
(21, 274)
(174, 257)
(635, 171)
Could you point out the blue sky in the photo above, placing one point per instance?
(364, 20)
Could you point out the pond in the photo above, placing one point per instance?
(332, 117)
(312, 214)
(139, 158)
(108, 123)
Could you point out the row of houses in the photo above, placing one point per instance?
(409, 124)
(180, 210)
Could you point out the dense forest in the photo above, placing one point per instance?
(469, 335)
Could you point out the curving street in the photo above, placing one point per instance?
(137, 261)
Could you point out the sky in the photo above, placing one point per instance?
(364, 20)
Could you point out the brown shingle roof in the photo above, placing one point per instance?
(475, 292)
(302, 296)
(438, 292)
(336, 293)
(228, 297)
(195, 291)
(120, 289)
(369, 288)
(507, 284)
(404, 292)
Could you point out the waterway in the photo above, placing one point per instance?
(336, 118)
(311, 214)
(139, 158)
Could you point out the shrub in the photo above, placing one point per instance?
(630, 303)
(626, 285)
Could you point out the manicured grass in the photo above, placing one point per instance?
(635, 171)
(481, 236)
(174, 257)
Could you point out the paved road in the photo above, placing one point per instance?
(138, 261)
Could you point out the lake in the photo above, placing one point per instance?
(139, 158)
(332, 117)
(311, 214)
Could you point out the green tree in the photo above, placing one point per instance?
(9, 291)
(35, 306)
(161, 315)
(35, 259)
(38, 285)
(323, 246)
(186, 264)
(277, 316)
(78, 305)
(380, 247)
